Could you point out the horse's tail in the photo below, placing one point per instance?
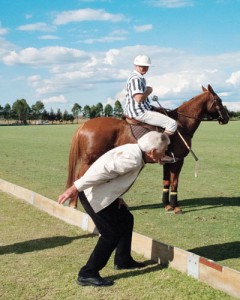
(73, 159)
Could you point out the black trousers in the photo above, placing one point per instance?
(115, 226)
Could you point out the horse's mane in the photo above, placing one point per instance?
(185, 105)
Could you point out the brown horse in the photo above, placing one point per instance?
(99, 135)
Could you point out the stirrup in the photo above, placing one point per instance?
(169, 159)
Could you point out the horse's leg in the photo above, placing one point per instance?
(175, 170)
(166, 187)
(74, 200)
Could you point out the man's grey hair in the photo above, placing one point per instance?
(153, 140)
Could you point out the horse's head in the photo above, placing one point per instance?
(215, 107)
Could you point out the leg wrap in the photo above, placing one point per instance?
(165, 196)
(173, 199)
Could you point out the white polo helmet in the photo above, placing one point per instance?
(142, 60)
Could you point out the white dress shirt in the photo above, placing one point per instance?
(111, 175)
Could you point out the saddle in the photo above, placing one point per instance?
(139, 128)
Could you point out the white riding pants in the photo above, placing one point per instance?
(157, 119)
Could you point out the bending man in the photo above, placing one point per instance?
(100, 189)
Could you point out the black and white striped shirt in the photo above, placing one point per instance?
(136, 84)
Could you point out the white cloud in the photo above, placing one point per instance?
(44, 56)
(232, 106)
(143, 28)
(49, 37)
(4, 47)
(28, 16)
(37, 27)
(116, 35)
(106, 39)
(110, 56)
(34, 80)
(86, 14)
(64, 82)
(170, 3)
(175, 84)
(3, 31)
(176, 76)
(234, 79)
(55, 99)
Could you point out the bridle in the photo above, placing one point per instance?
(216, 101)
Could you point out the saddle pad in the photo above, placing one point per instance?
(138, 131)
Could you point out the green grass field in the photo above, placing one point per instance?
(41, 257)
(36, 158)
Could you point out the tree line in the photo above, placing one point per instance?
(22, 113)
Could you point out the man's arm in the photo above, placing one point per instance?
(122, 163)
(142, 97)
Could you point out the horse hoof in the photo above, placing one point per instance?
(169, 209)
(178, 211)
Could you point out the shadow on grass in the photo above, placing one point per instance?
(197, 203)
(219, 252)
(131, 273)
(213, 201)
(40, 244)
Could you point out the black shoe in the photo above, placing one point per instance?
(131, 265)
(94, 281)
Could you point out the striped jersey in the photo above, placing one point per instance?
(136, 84)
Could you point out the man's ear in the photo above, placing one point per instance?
(152, 152)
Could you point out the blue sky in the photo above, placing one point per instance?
(62, 52)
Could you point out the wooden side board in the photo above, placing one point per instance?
(201, 268)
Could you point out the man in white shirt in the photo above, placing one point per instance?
(100, 189)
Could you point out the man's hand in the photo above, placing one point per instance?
(69, 193)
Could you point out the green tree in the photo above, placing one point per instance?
(7, 112)
(45, 115)
(86, 111)
(70, 117)
(118, 110)
(1, 110)
(37, 110)
(108, 111)
(99, 110)
(65, 116)
(76, 110)
(21, 111)
(94, 112)
(59, 116)
(52, 116)
(234, 114)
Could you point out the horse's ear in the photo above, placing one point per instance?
(211, 89)
(204, 89)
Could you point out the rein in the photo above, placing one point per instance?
(185, 143)
(214, 101)
(189, 117)
(182, 138)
